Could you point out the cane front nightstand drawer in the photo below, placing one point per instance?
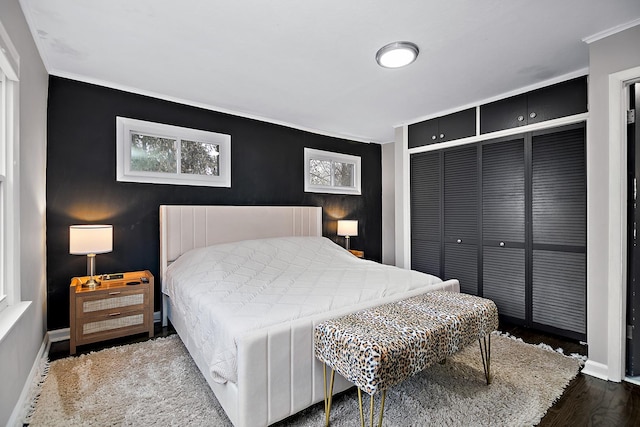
(114, 309)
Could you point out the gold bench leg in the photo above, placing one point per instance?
(327, 398)
(360, 405)
(384, 395)
(371, 405)
(485, 352)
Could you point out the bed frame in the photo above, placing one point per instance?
(278, 374)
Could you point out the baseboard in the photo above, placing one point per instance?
(633, 380)
(59, 335)
(20, 410)
(595, 369)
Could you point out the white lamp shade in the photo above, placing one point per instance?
(347, 227)
(90, 239)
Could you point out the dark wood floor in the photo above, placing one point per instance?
(587, 401)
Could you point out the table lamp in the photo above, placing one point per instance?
(347, 228)
(90, 240)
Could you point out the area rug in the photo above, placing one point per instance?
(156, 383)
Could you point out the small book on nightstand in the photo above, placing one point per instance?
(359, 254)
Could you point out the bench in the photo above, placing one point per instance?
(380, 347)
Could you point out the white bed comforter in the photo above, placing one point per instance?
(224, 291)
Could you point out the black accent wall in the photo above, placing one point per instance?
(267, 169)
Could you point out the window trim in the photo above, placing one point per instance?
(125, 126)
(10, 292)
(313, 154)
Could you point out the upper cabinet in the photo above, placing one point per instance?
(446, 128)
(551, 102)
(559, 100)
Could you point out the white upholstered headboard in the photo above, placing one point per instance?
(186, 227)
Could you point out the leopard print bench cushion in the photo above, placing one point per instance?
(381, 346)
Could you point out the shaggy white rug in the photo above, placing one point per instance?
(157, 383)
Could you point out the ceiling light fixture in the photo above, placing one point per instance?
(397, 54)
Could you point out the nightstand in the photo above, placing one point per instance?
(112, 310)
(359, 254)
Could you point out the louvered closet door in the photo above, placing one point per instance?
(559, 230)
(503, 226)
(461, 217)
(425, 212)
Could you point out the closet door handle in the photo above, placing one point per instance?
(533, 115)
(433, 137)
(520, 118)
(459, 241)
(502, 244)
(441, 135)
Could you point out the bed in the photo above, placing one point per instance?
(267, 370)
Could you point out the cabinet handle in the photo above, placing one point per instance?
(459, 241)
(520, 118)
(114, 293)
(433, 137)
(502, 244)
(533, 115)
(442, 135)
(114, 314)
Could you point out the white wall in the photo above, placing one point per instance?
(605, 255)
(401, 197)
(388, 205)
(19, 348)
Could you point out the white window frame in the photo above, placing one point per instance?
(126, 126)
(313, 154)
(9, 174)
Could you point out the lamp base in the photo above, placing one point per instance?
(91, 283)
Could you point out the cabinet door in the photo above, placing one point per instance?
(503, 226)
(503, 279)
(559, 291)
(425, 212)
(461, 217)
(457, 125)
(559, 229)
(423, 133)
(441, 129)
(559, 100)
(551, 102)
(503, 114)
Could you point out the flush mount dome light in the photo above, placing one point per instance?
(397, 54)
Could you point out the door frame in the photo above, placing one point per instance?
(617, 224)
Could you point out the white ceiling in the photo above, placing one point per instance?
(311, 64)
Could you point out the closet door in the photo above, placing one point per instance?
(425, 181)
(503, 225)
(559, 230)
(461, 217)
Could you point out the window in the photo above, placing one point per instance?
(165, 154)
(9, 194)
(3, 180)
(327, 172)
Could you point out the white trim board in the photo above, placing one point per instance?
(595, 369)
(617, 226)
(611, 31)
